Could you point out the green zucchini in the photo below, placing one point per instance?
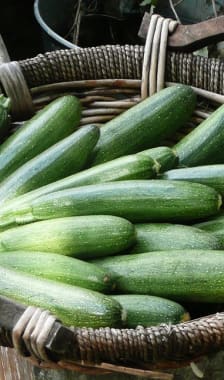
(184, 275)
(165, 156)
(214, 226)
(5, 104)
(128, 167)
(210, 175)
(166, 237)
(59, 268)
(144, 310)
(54, 122)
(72, 305)
(61, 159)
(81, 237)
(146, 124)
(204, 145)
(135, 200)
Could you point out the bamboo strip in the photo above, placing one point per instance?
(120, 83)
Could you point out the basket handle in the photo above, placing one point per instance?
(188, 38)
(4, 55)
(164, 346)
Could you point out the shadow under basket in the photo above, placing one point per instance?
(108, 81)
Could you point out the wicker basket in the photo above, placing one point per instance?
(107, 80)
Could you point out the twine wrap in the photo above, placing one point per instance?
(15, 87)
(31, 331)
(140, 346)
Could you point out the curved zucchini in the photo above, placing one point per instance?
(59, 268)
(73, 305)
(81, 237)
(185, 275)
(136, 200)
(148, 123)
(166, 237)
(54, 122)
(67, 156)
(143, 310)
(204, 145)
(210, 175)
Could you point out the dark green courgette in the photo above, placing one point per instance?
(81, 237)
(73, 305)
(165, 156)
(67, 156)
(143, 310)
(205, 144)
(135, 200)
(59, 268)
(183, 276)
(127, 167)
(54, 122)
(164, 237)
(146, 124)
(210, 175)
(214, 226)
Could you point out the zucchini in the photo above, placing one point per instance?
(204, 145)
(4, 115)
(72, 305)
(146, 124)
(80, 237)
(165, 156)
(59, 268)
(214, 226)
(148, 311)
(54, 122)
(181, 275)
(210, 175)
(166, 237)
(61, 159)
(135, 200)
(128, 167)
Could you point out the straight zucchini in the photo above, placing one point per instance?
(59, 268)
(210, 175)
(67, 156)
(81, 237)
(165, 156)
(73, 305)
(4, 115)
(185, 275)
(146, 124)
(143, 310)
(54, 122)
(124, 168)
(135, 200)
(205, 144)
(166, 237)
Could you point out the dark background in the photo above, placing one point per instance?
(19, 29)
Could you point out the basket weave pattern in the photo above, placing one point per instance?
(113, 74)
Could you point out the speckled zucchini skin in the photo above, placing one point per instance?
(146, 124)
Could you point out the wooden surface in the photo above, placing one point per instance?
(190, 37)
(13, 367)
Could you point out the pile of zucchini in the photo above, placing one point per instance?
(107, 226)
